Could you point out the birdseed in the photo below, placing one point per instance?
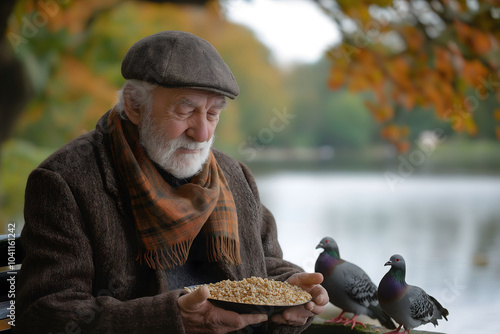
(257, 291)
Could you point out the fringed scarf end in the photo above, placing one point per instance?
(176, 255)
(223, 249)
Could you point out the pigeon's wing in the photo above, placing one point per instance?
(363, 291)
(442, 312)
(360, 287)
(421, 305)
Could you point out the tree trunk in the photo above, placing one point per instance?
(14, 84)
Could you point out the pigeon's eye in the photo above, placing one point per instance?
(326, 241)
(397, 260)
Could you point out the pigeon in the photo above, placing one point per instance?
(349, 287)
(408, 305)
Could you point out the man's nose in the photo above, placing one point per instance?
(199, 129)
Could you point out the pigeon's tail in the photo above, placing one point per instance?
(381, 316)
(442, 312)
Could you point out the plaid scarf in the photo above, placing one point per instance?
(167, 218)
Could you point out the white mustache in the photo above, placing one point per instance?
(189, 144)
(162, 150)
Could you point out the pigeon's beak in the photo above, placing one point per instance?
(388, 263)
(320, 245)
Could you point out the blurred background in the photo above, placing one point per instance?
(374, 122)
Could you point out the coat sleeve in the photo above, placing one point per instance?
(55, 286)
(277, 268)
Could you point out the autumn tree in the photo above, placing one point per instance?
(439, 54)
(15, 87)
(74, 60)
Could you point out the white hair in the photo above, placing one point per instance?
(139, 95)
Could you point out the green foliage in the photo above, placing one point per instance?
(347, 122)
(324, 118)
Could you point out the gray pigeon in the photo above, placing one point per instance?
(409, 305)
(348, 286)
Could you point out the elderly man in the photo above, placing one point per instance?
(119, 220)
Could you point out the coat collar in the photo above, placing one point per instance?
(110, 177)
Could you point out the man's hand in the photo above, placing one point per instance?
(200, 316)
(298, 315)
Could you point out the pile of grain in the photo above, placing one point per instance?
(257, 291)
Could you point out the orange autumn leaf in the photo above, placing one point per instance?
(364, 14)
(380, 93)
(381, 3)
(461, 5)
(390, 132)
(359, 12)
(413, 38)
(81, 80)
(474, 73)
(443, 64)
(480, 41)
(74, 18)
(336, 78)
(398, 135)
(432, 95)
(463, 30)
(475, 39)
(408, 100)
(470, 126)
(399, 70)
(403, 146)
(457, 121)
(380, 113)
(496, 114)
(32, 115)
(358, 83)
(366, 58)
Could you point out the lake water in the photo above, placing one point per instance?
(446, 227)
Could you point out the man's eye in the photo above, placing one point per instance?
(185, 112)
(213, 115)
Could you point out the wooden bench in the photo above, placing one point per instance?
(11, 257)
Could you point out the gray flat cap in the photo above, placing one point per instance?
(175, 59)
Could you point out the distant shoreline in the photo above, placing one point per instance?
(458, 157)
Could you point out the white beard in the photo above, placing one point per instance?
(163, 151)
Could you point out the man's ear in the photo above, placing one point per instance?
(133, 112)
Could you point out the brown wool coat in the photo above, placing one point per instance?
(80, 274)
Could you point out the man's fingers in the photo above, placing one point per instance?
(306, 279)
(255, 318)
(242, 320)
(295, 316)
(193, 300)
(319, 295)
(299, 315)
